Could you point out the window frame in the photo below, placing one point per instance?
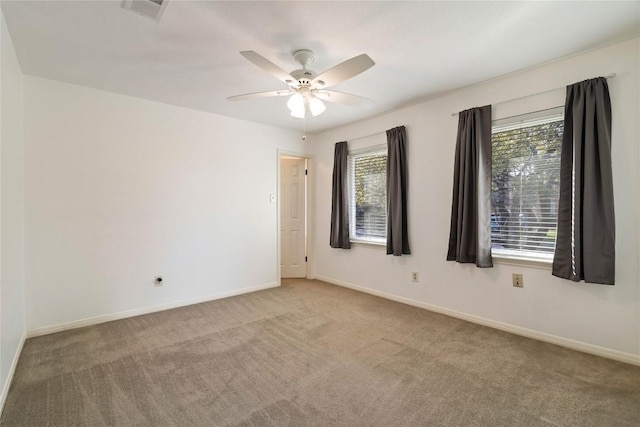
(528, 258)
(352, 155)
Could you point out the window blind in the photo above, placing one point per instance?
(367, 170)
(525, 185)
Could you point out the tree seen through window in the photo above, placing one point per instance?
(525, 185)
(369, 196)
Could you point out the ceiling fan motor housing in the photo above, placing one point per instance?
(304, 57)
(304, 76)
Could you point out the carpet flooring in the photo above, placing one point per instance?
(312, 354)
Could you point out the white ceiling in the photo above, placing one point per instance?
(190, 58)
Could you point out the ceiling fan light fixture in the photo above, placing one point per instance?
(296, 105)
(316, 106)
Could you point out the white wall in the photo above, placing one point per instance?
(594, 317)
(120, 190)
(12, 264)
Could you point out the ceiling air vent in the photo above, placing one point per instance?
(150, 8)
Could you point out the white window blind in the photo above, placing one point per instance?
(367, 171)
(525, 186)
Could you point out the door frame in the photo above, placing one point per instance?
(307, 209)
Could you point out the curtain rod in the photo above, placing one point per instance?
(367, 136)
(610, 76)
(528, 113)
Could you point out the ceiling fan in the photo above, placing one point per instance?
(306, 87)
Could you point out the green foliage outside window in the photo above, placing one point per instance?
(525, 186)
(370, 187)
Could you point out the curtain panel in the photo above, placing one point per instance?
(397, 172)
(340, 199)
(470, 232)
(585, 242)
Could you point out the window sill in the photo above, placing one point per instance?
(368, 243)
(522, 260)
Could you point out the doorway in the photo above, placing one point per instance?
(293, 217)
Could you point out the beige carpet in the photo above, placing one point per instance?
(309, 353)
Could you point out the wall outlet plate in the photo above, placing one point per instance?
(415, 277)
(518, 280)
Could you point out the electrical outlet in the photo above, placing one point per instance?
(518, 280)
(414, 277)
(158, 281)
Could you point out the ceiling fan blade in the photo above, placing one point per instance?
(343, 71)
(344, 99)
(256, 95)
(265, 65)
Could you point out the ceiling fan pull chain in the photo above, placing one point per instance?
(304, 128)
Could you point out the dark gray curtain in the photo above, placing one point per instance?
(470, 235)
(397, 231)
(585, 243)
(340, 199)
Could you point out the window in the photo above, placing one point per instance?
(367, 170)
(525, 185)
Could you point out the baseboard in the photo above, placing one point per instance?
(12, 370)
(529, 333)
(144, 310)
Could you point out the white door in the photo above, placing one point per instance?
(293, 236)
